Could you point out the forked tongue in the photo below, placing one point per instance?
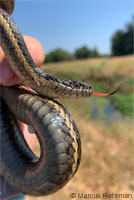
(109, 94)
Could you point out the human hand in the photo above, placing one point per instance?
(8, 77)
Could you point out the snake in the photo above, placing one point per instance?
(57, 133)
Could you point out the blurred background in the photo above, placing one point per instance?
(91, 41)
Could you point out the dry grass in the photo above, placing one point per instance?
(107, 164)
(110, 66)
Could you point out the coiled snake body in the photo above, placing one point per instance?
(55, 129)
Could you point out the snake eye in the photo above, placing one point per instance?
(77, 85)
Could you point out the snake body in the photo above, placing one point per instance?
(55, 129)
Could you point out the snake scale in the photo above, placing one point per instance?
(54, 127)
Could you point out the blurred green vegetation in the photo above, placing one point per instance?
(84, 52)
(122, 41)
(125, 103)
(58, 55)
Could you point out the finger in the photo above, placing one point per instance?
(7, 76)
(30, 138)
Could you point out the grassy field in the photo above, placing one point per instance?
(107, 164)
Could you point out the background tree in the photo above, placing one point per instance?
(58, 55)
(122, 41)
(118, 43)
(94, 53)
(129, 38)
(82, 52)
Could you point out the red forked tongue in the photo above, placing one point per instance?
(101, 94)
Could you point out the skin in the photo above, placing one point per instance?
(8, 77)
